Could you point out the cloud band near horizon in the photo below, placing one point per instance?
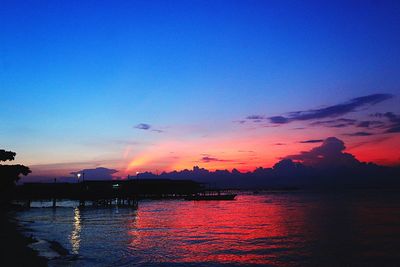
(327, 112)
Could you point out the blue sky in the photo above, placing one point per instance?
(77, 76)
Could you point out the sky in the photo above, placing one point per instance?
(167, 85)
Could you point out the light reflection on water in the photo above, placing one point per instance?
(75, 237)
(288, 229)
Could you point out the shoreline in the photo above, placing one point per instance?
(15, 247)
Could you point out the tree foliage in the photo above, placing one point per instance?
(10, 174)
(7, 155)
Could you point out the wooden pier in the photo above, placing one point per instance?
(107, 193)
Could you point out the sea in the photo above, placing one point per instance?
(352, 228)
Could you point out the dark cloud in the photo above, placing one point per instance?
(337, 123)
(394, 121)
(394, 129)
(331, 111)
(318, 123)
(207, 159)
(143, 126)
(311, 141)
(99, 173)
(369, 124)
(279, 144)
(359, 134)
(340, 125)
(329, 153)
(390, 115)
(278, 119)
(255, 117)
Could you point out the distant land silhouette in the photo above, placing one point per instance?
(326, 165)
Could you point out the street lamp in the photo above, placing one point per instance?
(79, 176)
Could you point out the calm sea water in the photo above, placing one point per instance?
(280, 229)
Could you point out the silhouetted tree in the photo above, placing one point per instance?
(9, 174)
(7, 155)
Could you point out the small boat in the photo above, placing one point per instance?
(211, 197)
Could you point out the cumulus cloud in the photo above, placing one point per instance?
(99, 173)
(330, 111)
(329, 153)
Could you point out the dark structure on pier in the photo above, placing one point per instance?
(125, 192)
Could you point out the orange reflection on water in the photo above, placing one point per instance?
(216, 231)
